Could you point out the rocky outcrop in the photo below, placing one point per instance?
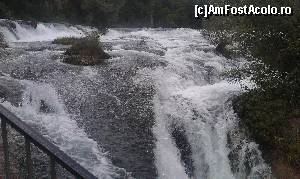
(222, 48)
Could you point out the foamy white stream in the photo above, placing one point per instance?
(42, 32)
(191, 94)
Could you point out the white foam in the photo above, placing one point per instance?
(42, 32)
(58, 127)
(167, 155)
(191, 94)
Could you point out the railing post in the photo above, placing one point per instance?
(5, 148)
(28, 159)
(52, 168)
(56, 156)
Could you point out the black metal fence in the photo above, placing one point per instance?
(56, 156)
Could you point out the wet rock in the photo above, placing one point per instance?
(8, 24)
(222, 48)
(185, 149)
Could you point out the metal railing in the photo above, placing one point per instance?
(56, 156)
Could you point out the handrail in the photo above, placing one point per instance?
(31, 136)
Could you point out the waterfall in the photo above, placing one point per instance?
(159, 108)
(15, 31)
(42, 108)
(192, 98)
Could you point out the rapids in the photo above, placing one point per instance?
(158, 108)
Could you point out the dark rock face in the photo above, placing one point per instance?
(221, 49)
(185, 149)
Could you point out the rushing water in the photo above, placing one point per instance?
(157, 109)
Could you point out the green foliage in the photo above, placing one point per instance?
(86, 51)
(102, 13)
(4, 12)
(65, 40)
(174, 13)
(271, 122)
(270, 112)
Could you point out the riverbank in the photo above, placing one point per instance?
(266, 113)
(269, 111)
(269, 122)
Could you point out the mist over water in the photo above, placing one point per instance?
(157, 109)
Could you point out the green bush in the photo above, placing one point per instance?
(272, 122)
(271, 111)
(86, 51)
(4, 12)
(65, 40)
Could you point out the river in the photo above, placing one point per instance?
(159, 108)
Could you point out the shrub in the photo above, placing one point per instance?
(86, 51)
(271, 111)
(272, 122)
(65, 40)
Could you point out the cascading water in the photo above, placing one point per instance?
(190, 96)
(18, 32)
(42, 109)
(158, 108)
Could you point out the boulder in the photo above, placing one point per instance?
(222, 48)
